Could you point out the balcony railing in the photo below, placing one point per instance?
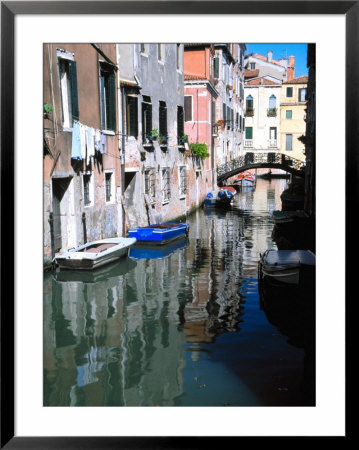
(272, 112)
(248, 142)
(273, 143)
(249, 112)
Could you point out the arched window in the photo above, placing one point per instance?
(272, 102)
(272, 110)
(249, 103)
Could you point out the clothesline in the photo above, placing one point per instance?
(85, 141)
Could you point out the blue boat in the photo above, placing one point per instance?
(156, 251)
(221, 198)
(161, 233)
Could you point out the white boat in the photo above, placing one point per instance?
(95, 254)
(286, 266)
(246, 179)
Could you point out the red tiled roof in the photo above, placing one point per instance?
(261, 81)
(264, 58)
(300, 80)
(251, 73)
(189, 76)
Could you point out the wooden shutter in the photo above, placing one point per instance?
(132, 116)
(111, 102)
(180, 124)
(74, 93)
(188, 108)
(216, 67)
(163, 119)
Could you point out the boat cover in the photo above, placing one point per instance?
(289, 257)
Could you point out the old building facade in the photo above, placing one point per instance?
(292, 116)
(81, 160)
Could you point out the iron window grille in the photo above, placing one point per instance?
(166, 186)
(183, 181)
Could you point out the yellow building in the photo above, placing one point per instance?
(292, 116)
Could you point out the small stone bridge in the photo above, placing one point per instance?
(259, 160)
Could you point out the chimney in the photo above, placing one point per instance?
(291, 68)
(270, 54)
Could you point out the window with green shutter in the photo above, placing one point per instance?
(68, 89)
(180, 124)
(249, 133)
(289, 92)
(132, 116)
(108, 97)
(288, 142)
(288, 114)
(146, 120)
(216, 67)
(162, 119)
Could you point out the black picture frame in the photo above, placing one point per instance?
(9, 9)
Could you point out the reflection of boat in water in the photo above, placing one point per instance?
(155, 251)
(94, 254)
(115, 269)
(286, 266)
(288, 216)
(159, 233)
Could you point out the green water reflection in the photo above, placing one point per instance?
(184, 329)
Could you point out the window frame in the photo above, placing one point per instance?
(150, 184)
(110, 173)
(182, 181)
(185, 108)
(166, 184)
(286, 142)
(291, 114)
(66, 60)
(289, 89)
(88, 189)
(107, 81)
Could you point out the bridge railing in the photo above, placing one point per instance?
(259, 158)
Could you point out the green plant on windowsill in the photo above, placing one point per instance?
(154, 134)
(183, 139)
(47, 110)
(199, 150)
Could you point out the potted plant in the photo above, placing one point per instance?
(153, 134)
(229, 87)
(47, 110)
(199, 150)
(163, 139)
(221, 123)
(184, 139)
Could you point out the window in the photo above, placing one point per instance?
(249, 102)
(150, 184)
(302, 93)
(143, 48)
(87, 187)
(132, 116)
(146, 120)
(166, 187)
(159, 52)
(68, 88)
(289, 92)
(108, 97)
(108, 186)
(178, 56)
(288, 114)
(188, 108)
(272, 102)
(182, 181)
(180, 124)
(249, 133)
(163, 119)
(288, 142)
(216, 67)
(252, 66)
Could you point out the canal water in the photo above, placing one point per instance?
(182, 325)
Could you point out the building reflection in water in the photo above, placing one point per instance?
(122, 335)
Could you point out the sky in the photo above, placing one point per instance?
(284, 50)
